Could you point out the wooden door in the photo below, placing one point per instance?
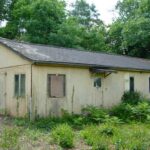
(2, 93)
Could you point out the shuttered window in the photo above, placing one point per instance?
(19, 85)
(56, 86)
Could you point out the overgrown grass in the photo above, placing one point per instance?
(9, 138)
(131, 136)
(125, 126)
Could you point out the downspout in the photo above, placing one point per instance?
(5, 93)
(30, 101)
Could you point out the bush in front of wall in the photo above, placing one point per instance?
(63, 135)
(122, 111)
(93, 114)
(132, 98)
(127, 112)
(141, 112)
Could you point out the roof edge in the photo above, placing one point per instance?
(89, 66)
(75, 49)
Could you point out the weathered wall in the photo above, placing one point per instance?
(80, 90)
(11, 64)
(16, 106)
(9, 58)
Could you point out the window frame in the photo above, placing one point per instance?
(95, 80)
(49, 85)
(19, 85)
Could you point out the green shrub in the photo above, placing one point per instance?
(132, 98)
(63, 135)
(122, 111)
(108, 131)
(94, 114)
(113, 120)
(141, 112)
(90, 134)
(33, 134)
(97, 136)
(127, 112)
(100, 145)
(21, 122)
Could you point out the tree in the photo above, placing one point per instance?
(46, 22)
(4, 9)
(2, 3)
(39, 19)
(90, 33)
(34, 20)
(85, 14)
(129, 34)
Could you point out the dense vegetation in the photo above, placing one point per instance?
(125, 126)
(49, 22)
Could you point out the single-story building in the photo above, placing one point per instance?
(41, 80)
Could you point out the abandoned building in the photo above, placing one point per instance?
(40, 80)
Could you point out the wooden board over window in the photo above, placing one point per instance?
(56, 86)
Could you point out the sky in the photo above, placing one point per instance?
(105, 8)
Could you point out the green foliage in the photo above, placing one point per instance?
(5, 6)
(63, 135)
(98, 136)
(125, 126)
(21, 122)
(85, 14)
(127, 112)
(2, 3)
(41, 19)
(9, 138)
(94, 114)
(108, 131)
(47, 22)
(33, 134)
(106, 136)
(129, 34)
(132, 98)
(121, 111)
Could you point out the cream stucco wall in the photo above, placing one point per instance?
(8, 58)
(11, 64)
(80, 91)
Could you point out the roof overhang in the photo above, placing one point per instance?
(105, 71)
(101, 70)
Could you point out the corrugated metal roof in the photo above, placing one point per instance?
(56, 55)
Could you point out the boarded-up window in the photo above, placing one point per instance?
(131, 84)
(19, 85)
(56, 86)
